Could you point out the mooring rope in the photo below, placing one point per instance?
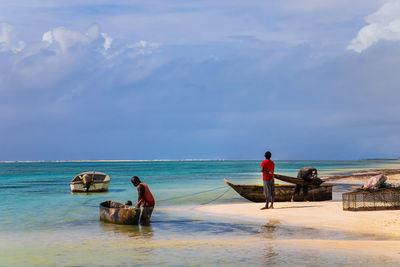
(193, 194)
(86, 202)
(216, 198)
(90, 200)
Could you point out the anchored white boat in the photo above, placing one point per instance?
(90, 182)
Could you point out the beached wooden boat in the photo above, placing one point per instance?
(283, 192)
(97, 182)
(294, 180)
(115, 212)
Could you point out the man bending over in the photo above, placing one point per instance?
(145, 198)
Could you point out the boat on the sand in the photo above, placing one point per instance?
(283, 192)
(115, 212)
(294, 180)
(95, 182)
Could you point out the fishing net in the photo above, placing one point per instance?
(381, 199)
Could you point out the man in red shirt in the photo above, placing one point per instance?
(145, 198)
(267, 168)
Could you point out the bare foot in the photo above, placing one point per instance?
(271, 207)
(264, 208)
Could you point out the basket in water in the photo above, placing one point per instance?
(381, 199)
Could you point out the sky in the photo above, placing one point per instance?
(146, 80)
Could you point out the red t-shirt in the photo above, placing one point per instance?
(146, 195)
(268, 165)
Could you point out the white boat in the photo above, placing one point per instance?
(96, 182)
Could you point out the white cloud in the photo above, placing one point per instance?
(384, 24)
(93, 33)
(142, 48)
(48, 37)
(65, 38)
(144, 44)
(62, 51)
(107, 41)
(8, 39)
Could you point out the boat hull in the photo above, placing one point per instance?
(78, 187)
(294, 180)
(283, 193)
(97, 182)
(115, 212)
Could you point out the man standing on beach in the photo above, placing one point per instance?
(267, 168)
(145, 197)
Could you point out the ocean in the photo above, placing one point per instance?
(43, 224)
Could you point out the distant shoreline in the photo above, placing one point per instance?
(361, 174)
(117, 160)
(171, 160)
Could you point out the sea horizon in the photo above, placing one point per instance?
(193, 159)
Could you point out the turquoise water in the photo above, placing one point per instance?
(44, 222)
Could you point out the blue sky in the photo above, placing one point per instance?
(199, 79)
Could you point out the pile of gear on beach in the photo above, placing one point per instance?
(378, 182)
(375, 194)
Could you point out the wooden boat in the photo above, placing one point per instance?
(283, 192)
(294, 180)
(98, 182)
(115, 212)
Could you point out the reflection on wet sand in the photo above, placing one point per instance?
(269, 231)
(128, 230)
(271, 227)
(270, 254)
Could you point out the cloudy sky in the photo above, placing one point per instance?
(306, 79)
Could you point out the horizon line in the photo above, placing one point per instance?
(169, 160)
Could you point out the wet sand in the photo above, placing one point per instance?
(382, 226)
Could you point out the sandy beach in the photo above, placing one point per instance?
(382, 226)
(361, 176)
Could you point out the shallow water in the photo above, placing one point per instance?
(185, 240)
(42, 223)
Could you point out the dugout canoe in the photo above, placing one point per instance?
(283, 192)
(115, 212)
(294, 180)
(98, 182)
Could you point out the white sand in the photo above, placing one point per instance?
(324, 215)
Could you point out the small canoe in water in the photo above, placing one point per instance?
(97, 182)
(115, 212)
(283, 192)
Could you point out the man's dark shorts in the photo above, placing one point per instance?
(146, 214)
